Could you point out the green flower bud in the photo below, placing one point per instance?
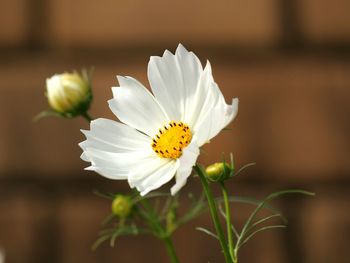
(218, 172)
(69, 94)
(122, 206)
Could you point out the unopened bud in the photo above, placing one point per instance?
(218, 172)
(122, 206)
(69, 93)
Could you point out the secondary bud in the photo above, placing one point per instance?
(218, 172)
(69, 94)
(122, 206)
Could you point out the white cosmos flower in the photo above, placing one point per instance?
(159, 135)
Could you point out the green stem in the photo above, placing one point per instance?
(86, 116)
(228, 220)
(170, 249)
(160, 231)
(214, 214)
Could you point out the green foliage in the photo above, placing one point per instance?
(157, 214)
(236, 238)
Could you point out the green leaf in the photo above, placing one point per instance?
(250, 201)
(240, 170)
(257, 231)
(114, 237)
(206, 231)
(149, 196)
(108, 219)
(99, 241)
(264, 220)
(232, 162)
(197, 208)
(106, 231)
(109, 196)
(129, 230)
(46, 113)
(263, 203)
(114, 233)
(165, 208)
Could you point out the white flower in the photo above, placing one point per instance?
(159, 135)
(69, 93)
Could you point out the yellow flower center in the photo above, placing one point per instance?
(171, 139)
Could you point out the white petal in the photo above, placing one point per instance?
(135, 106)
(174, 79)
(231, 112)
(154, 176)
(84, 157)
(114, 136)
(203, 99)
(215, 120)
(115, 165)
(110, 173)
(140, 171)
(187, 161)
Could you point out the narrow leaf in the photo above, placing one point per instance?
(264, 220)
(108, 219)
(46, 113)
(250, 201)
(263, 203)
(114, 237)
(104, 195)
(206, 231)
(149, 196)
(259, 230)
(197, 208)
(99, 241)
(243, 168)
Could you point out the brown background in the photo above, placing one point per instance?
(286, 60)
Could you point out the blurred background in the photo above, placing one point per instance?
(288, 61)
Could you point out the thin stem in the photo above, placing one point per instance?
(214, 214)
(86, 116)
(170, 249)
(160, 231)
(228, 219)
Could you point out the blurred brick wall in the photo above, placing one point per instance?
(287, 61)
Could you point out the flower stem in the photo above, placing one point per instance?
(160, 231)
(214, 214)
(228, 221)
(170, 249)
(86, 116)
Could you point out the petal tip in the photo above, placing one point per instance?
(181, 49)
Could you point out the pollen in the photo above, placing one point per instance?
(171, 139)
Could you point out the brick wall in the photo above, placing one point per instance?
(287, 61)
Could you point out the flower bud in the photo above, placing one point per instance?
(122, 206)
(218, 172)
(69, 94)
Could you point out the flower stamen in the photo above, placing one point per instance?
(171, 139)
